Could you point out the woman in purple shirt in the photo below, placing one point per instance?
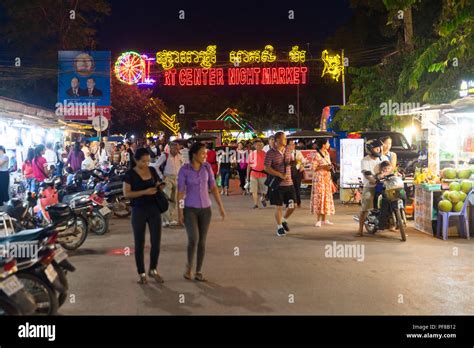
(195, 179)
(75, 158)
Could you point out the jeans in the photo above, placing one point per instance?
(243, 177)
(197, 221)
(30, 184)
(140, 217)
(225, 177)
(4, 186)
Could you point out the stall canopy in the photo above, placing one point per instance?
(27, 114)
(309, 134)
(450, 132)
(203, 138)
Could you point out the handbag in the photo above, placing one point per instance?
(161, 199)
(273, 182)
(334, 188)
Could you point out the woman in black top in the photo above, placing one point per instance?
(141, 185)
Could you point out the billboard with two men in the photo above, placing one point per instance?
(83, 85)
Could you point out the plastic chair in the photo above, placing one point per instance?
(463, 223)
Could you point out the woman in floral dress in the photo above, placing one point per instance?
(322, 203)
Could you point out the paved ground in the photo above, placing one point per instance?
(273, 275)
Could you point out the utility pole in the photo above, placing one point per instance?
(298, 105)
(343, 80)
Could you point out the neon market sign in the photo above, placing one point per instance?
(135, 69)
(236, 76)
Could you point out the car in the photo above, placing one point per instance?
(406, 154)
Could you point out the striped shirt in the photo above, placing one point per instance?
(281, 163)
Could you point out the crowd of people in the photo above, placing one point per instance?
(186, 176)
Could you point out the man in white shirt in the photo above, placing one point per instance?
(370, 167)
(185, 153)
(167, 167)
(271, 144)
(88, 163)
(85, 148)
(50, 155)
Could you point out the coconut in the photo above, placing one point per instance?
(454, 197)
(466, 186)
(455, 186)
(445, 205)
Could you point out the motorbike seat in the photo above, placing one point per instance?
(59, 211)
(69, 198)
(81, 203)
(114, 192)
(30, 235)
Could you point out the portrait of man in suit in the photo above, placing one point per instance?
(91, 91)
(75, 90)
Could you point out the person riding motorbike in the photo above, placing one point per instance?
(385, 169)
(370, 166)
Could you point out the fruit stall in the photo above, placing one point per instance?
(446, 193)
(447, 178)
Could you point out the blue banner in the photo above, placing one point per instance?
(84, 79)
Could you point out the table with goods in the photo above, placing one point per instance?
(446, 192)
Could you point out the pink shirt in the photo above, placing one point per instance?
(39, 165)
(257, 163)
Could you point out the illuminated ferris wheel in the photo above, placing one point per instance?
(130, 67)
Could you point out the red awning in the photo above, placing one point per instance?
(202, 125)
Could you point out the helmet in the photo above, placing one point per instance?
(371, 144)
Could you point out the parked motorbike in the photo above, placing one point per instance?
(391, 199)
(43, 273)
(110, 188)
(103, 188)
(14, 298)
(73, 228)
(35, 271)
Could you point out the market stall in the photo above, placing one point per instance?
(444, 181)
(24, 125)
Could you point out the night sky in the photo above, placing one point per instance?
(148, 26)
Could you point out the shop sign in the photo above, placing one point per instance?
(467, 88)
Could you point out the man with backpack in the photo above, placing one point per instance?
(167, 167)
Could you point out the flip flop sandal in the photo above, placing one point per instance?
(199, 277)
(143, 280)
(188, 276)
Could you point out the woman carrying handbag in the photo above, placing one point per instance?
(142, 186)
(322, 203)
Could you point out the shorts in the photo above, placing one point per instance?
(368, 195)
(284, 194)
(257, 185)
